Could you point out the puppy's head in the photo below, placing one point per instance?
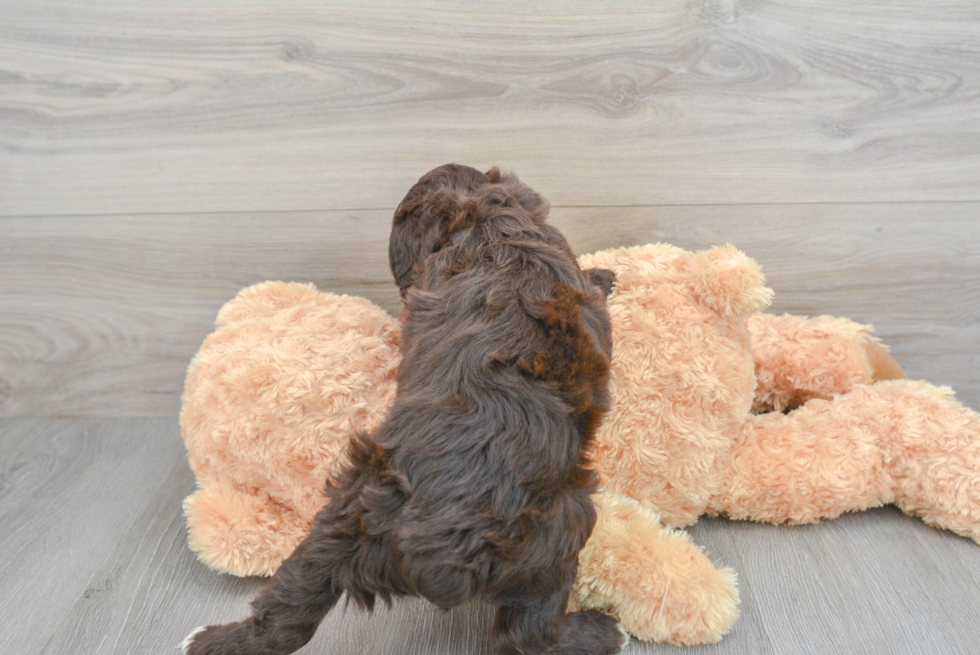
(447, 199)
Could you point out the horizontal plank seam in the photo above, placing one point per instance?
(553, 206)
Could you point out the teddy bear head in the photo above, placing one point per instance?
(683, 377)
(269, 405)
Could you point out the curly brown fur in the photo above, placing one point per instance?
(477, 484)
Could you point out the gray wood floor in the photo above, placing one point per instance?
(158, 155)
(95, 561)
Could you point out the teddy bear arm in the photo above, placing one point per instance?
(798, 358)
(657, 582)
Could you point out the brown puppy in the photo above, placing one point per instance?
(477, 484)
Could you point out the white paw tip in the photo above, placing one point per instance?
(189, 639)
(626, 636)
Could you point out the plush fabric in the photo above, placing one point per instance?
(274, 394)
(269, 405)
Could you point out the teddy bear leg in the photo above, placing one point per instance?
(799, 358)
(931, 448)
(658, 583)
(899, 441)
(811, 464)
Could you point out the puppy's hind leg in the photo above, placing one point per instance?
(539, 626)
(592, 632)
(286, 614)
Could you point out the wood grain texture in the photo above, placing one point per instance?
(162, 106)
(100, 317)
(68, 493)
(156, 156)
(95, 561)
(870, 582)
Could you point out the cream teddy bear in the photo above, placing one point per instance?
(700, 381)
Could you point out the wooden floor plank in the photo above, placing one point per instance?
(861, 582)
(64, 502)
(99, 316)
(162, 106)
(875, 581)
(152, 592)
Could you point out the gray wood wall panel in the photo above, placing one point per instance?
(99, 316)
(162, 106)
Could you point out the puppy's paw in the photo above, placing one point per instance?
(602, 278)
(185, 646)
(626, 637)
(231, 639)
(593, 633)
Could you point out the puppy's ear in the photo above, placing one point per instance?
(418, 224)
(403, 253)
(525, 196)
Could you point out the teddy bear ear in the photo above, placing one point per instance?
(264, 298)
(729, 282)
